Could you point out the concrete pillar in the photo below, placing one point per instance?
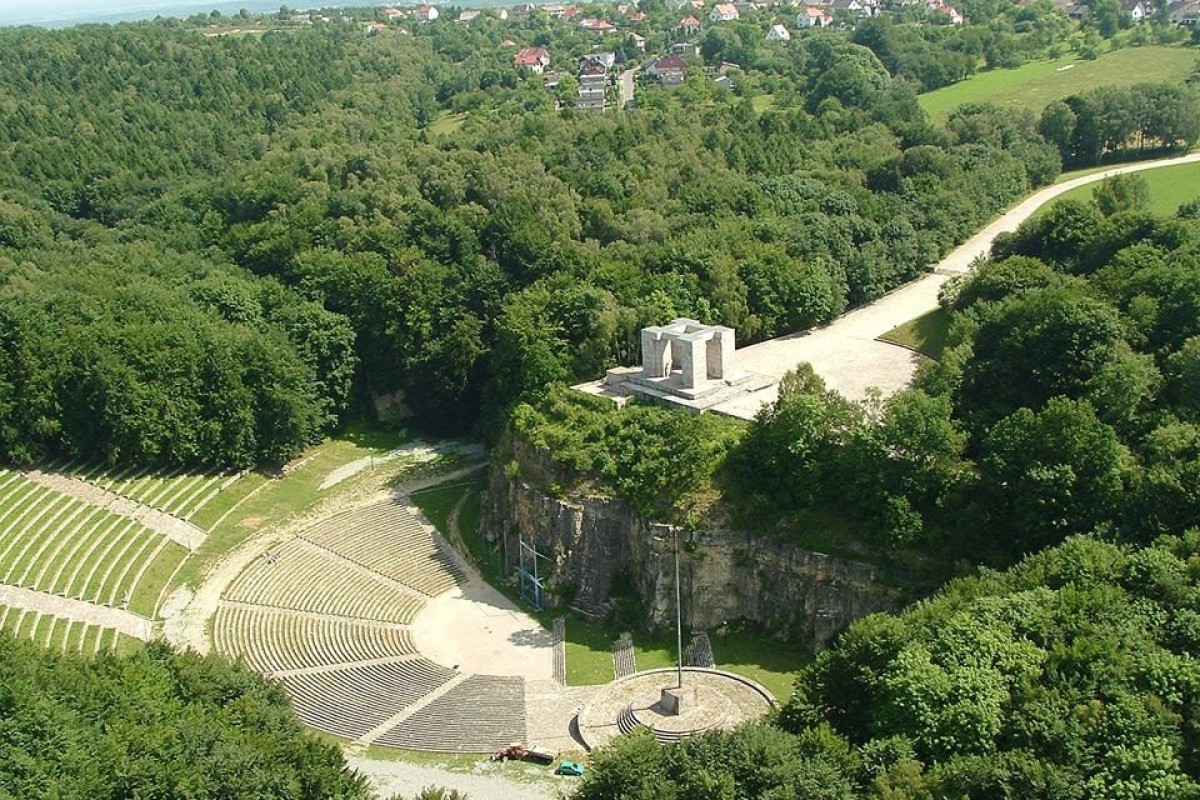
(692, 360)
(720, 353)
(656, 353)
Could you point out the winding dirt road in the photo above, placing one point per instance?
(847, 353)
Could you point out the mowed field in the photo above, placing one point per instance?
(1170, 187)
(1034, 86)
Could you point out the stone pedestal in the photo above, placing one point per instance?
(677, 700)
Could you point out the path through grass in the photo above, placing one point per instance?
(1036, 85)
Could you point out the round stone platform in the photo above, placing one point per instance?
(722, 700)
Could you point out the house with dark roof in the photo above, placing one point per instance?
(668, 70)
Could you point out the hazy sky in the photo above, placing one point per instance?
(17, 11)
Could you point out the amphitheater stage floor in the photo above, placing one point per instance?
(473, 628)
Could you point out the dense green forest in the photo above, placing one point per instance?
(214, 248)
(155, 724)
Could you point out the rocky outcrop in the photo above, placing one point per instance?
(595, 544)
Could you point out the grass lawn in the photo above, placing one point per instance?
(437, 503)
(761, 657)
(926, 334)
(1036, 85)
(1170, 187)
(445, 123)
(762, 102)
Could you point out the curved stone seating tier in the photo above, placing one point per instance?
(354, 701)
(304, 577)
(480, 715)
(388, 539)
(177, 492)
(274, 640)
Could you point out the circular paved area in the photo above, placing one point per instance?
(722, 701)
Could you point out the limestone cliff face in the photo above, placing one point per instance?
(725, 576)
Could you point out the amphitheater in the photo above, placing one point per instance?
(376, 628)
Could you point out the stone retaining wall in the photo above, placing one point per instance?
(725, 576)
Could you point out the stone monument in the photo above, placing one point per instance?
(684, 363)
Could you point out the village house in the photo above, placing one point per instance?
(501, 13)
(724, 12)
(1186, 13)
(689, 25)
(426, 13)
(392, 13)
(1138, 10)
(607, 60)
(468, 14)
(938, 7)
(668, 70)
(778, 33)
(593, 84)
(813, 17)
(534, 59)
(522, 10)
(637, 16)
(598, 26)
(638, 41)
(374, 28)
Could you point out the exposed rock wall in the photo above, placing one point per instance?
(725, 576)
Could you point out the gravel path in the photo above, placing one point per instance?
(846, 352)
(399, 777)
(76, 610)
(160, 522)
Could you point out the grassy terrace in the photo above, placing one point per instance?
(926, 334)
(1033, 86)
(56, 633)
(55, 543)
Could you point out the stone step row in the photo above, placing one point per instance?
(559, 641)
(352, 701)
(480, 715)
(272, 640)
(389, 539)
(301, 576)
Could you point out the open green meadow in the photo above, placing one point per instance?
(1036, 85)
(1170, 187)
